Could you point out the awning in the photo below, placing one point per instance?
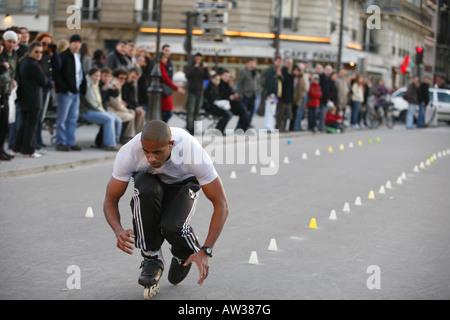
(258, 48)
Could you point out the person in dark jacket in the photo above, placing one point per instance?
(210, 97)
(31, 82)
(118, 58)
(69, 82)
(227, 92)
(196, 73)
(271, 81)
(284, 108)
(424, 99)
(412, 96)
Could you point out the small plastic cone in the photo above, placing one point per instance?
(371, 195)
(382, 190)
(416, 169)
(422, 165)
(272, 164)
(313, 224)
(304, 156)
(286, 160)
(333, 215)
(358, 201)
(89, 213)
(233, 175)
(341, 147)
(253, 170)
(360, 143)
(317, 152)
(403, 176)
(253, 258)
(346, 207)
(330, 149)
(272, 245)
(399, 180)
(350, 145)
(428, 163)
(388, 185)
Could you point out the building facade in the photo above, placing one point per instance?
(404, 26)
(308, 30)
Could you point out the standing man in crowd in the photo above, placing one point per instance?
(196, 74)
(343, 90)
(246, 87)
(271, 81)
(424, 99)
(284, 110)
(69, 82)
(412, 96)
(301, 88)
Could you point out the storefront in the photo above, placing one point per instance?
(232, 54)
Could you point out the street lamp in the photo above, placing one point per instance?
(155, 90)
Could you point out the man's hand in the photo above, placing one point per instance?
(125, 241)
(202, 261)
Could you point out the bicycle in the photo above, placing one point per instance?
(380, 114)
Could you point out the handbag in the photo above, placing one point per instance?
(166, 90)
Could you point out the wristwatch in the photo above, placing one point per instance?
(208, 250)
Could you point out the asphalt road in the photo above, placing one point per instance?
(396, 246)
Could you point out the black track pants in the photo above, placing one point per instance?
(163, 211)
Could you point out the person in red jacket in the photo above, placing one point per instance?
(166, 100)
(334, 120)
(315, 94)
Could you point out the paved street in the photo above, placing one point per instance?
(403, 233)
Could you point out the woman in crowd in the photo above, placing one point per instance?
(91, 110)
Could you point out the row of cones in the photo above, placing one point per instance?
(358, 202)
(341, 147)
(304, 155)
(382, 190)
(233, 174)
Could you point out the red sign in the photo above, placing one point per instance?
(405, 65)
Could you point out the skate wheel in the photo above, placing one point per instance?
(150, 292)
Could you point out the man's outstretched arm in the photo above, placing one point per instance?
(114, 191)
(216, 194)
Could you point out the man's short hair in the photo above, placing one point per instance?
(156, 130)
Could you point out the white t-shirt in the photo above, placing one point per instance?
(188, 159)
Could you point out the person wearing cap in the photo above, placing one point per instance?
(196, 73)
(69, 82)
(8, 60)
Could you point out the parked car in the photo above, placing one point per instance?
(440, 98)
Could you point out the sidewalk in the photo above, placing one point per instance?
(54, 160)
